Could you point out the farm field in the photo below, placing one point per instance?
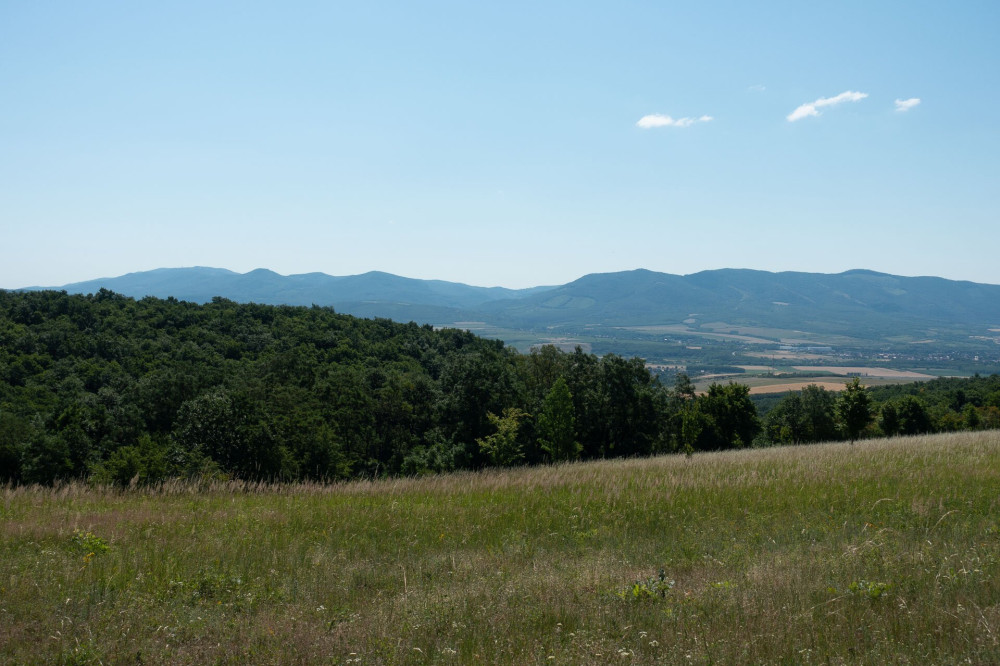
(782, 384)
(887, 551)
(781, 355)
(687, 330)
(785, 386)
(865, 371)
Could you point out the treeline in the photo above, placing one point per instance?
(122, 390)
(945, 404)
(117, 389)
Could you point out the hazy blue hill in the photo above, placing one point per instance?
(631, 297)
(856, 303)
(189, 284)
(862, 293)
(200, 284)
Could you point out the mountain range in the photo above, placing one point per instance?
(856, 303)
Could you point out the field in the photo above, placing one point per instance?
(760, 379)
(881, 552)
(784, 383)
(785, 386)
(865, 371)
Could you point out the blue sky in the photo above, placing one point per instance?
(513, 143)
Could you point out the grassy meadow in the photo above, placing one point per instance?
(881, 552)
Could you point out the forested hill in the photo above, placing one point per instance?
(110, 386)
(120, 390)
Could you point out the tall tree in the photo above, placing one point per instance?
(501, 447)
(556, 431)
(914, 418)
(820, 407)
(786, 423)
(854, 409)
(888, 419)
(733, 415)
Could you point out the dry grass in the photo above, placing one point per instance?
(884, 552)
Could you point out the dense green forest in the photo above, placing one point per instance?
(121, 390)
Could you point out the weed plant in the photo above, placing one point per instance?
(882, 552)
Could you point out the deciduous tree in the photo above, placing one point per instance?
(854, 409)
(556, 434)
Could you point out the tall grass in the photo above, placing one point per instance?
(882, 552)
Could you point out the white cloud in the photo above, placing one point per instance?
(757, 88)
(660, 120)
(812, 108)
(903, 105)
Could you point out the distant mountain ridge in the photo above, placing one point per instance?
(201, 284)
(841, 302)
(858, 303)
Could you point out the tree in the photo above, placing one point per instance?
(231, 430)
(541, 368)
(211, 426)
(733, 414)
(14, 435)
(556, 433)
(914, 418)
(692, 424)
(502, 448)
(583, 377)
(628, 406)
(684, 387)
(888, 419)
(803, 416)
(46, 459)
(970, 417)
(820, 407)
(473, 385)
(786, 423)
(854, 409)
(143, 464)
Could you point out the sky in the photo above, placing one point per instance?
(498, 143)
